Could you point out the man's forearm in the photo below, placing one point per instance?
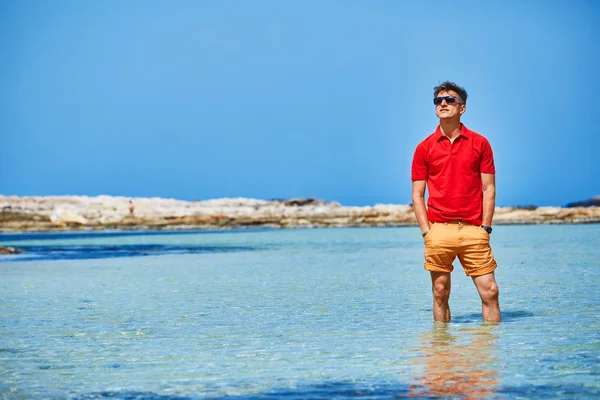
(489, 204)
(421, 214)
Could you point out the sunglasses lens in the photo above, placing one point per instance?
(449, 100)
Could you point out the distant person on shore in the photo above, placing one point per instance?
(456, 166)
(131, 209)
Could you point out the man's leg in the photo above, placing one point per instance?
(440, 286)
(478, 261)
(488, 291)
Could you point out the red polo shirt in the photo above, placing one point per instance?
(453, 174)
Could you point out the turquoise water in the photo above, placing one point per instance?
(269, 314)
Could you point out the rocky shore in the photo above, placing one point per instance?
(60, 213)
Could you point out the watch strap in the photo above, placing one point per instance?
(488, 229)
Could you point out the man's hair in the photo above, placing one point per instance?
(446, 86)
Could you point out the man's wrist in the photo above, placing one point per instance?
(488, 229)
(424, 233)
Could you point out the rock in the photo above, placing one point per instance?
(54, 213)
(61, 216)
(548, 211)
(529, 207)
(593, 202)
(303, 202)
(10, 250)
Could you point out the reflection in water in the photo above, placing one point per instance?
(460, 364)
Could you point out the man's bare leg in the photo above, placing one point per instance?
(440, 286)
(488, 291)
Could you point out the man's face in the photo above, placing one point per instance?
(449, 111)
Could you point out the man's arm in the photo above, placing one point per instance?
(489, 197)
(418, 198)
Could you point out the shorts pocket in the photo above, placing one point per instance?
(431, 228)
(484, 233)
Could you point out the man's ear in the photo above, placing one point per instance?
(463, 108)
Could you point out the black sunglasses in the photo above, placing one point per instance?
(449, 100)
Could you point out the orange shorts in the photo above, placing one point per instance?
(447, 240)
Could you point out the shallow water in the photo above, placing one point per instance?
(269, 314)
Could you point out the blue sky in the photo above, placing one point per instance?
(327, 99)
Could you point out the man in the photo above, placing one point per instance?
(131, 209)
(456, 166)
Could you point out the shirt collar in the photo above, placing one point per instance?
(464, 132)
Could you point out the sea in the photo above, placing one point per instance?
(294, 314)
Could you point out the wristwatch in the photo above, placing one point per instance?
(424, 233)
(488, 229)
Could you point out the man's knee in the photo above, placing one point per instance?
(490, 293)
(441, 292)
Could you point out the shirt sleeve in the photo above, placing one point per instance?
(486, 166)
(419, 164)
